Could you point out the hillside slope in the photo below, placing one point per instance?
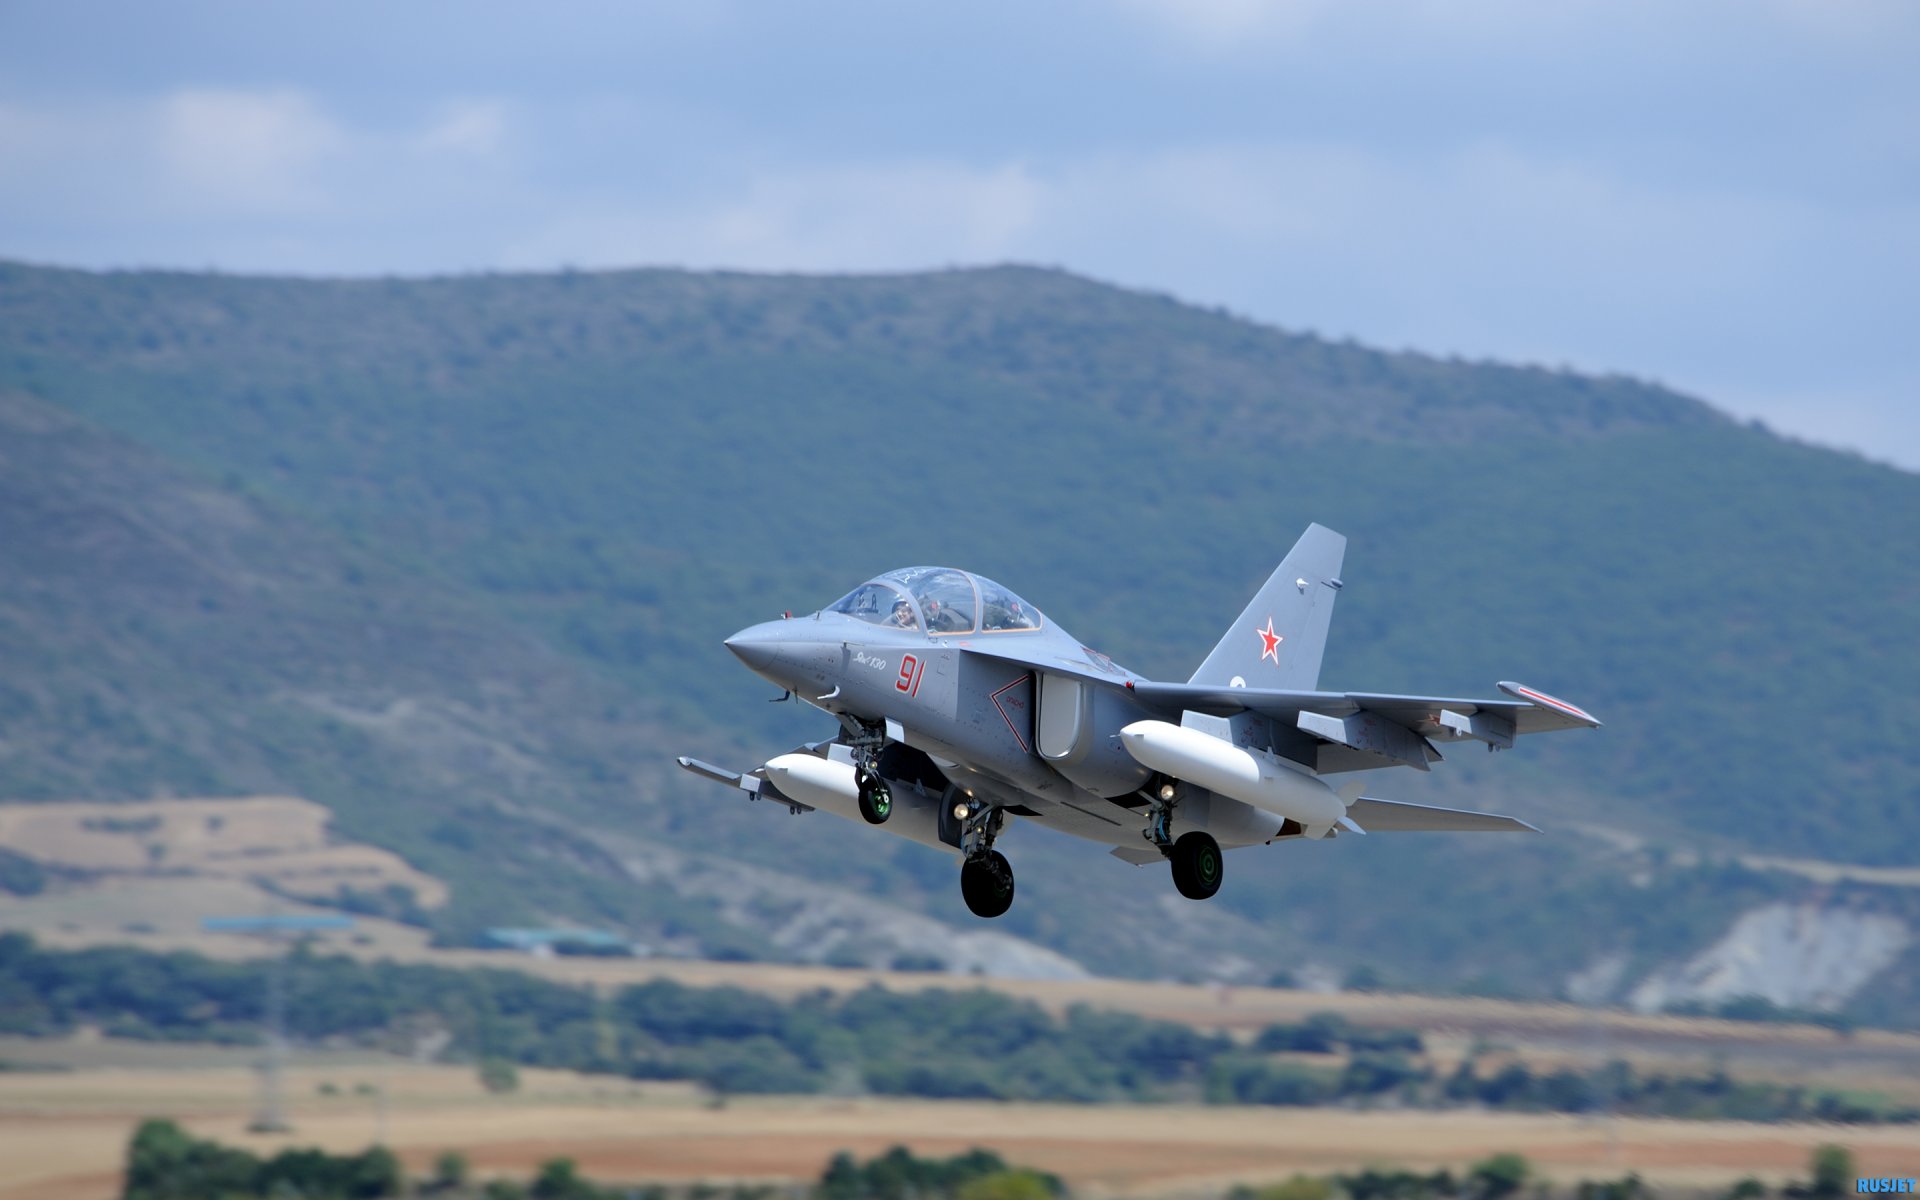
(616, 470)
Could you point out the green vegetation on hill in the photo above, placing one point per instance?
(164, 1162)
(962, 1045)
(454, 557)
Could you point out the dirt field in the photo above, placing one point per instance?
(148, 874)
(163, 913)
(275, 838)
(62, 1135)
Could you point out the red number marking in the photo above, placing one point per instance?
(909, 680)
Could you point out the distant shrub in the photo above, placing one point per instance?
(497, 1075)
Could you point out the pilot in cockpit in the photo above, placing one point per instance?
(903, 615)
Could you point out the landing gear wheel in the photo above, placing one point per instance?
(986, 884)
(876, 802)
(1197, 867)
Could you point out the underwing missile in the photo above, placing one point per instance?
(829, 785)
(1251, 777)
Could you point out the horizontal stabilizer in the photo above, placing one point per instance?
(1397, 816)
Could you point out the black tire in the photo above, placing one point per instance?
(986, 884)
(1197, 865)
(876, 802)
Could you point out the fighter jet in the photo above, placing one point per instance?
(961, 705)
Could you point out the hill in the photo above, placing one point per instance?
(551, 496)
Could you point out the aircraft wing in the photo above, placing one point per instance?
(1354, 731)
(1442, 718)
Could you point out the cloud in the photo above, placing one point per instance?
(193, 153)
(1214, 25)
(266, 179)
(862, 216)
(471, 127)
(240, 152)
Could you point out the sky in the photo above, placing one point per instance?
(1722, 195)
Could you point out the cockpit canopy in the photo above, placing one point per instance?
(940, 601)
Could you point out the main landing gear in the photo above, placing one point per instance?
(986, 878)
(1197, 867)
(986, 884)
(1195, 856)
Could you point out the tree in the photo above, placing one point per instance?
(164, 1163)
(1364, 978)
(559, 1179)
(497, 1075)
(450, 1172)
(1501, 1175)
(1629, 1187)
(1833, 1171)
(1300, 1187)
(1016, 1185)
(375, 1174)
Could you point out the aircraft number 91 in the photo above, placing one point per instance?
(911, 668)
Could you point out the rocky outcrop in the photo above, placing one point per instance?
(1796, 956)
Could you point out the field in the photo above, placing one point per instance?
(158, 867)
(61, 1134)
(67, 1107)
(1543, 1035)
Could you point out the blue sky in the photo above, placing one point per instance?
(1721, 196)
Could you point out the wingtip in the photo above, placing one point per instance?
(1540, 699)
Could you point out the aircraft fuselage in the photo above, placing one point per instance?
(960, 705)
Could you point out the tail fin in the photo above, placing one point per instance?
(1280, 638)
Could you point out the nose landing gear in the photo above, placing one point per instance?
(876, 799)
(866, 740)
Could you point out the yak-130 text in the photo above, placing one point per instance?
(960, 705)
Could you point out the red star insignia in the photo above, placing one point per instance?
(1270, 642)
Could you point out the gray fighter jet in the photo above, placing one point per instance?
(960, 705)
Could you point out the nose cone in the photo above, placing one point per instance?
(754, 647)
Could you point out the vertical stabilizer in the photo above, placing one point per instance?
(1280, 638)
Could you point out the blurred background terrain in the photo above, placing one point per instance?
(452, 558)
